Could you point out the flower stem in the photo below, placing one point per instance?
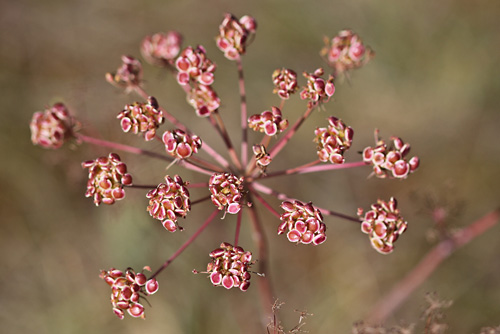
(187, 243)
(238, 227)
(265, 288)
(219, 126)
(264, 203)
(282, 142)
(244, 125)
(429, 263)
(121, 147)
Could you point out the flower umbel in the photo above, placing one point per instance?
(229, 267)
(226, 190)
(285, 82)
(142, 118)
(52, 127)
(235, 34)
(383, 224)
(346, 51)
(128, 75)
(302, 222)
(127, 289)
(161, 48)
(180, 144)
(169, 201)
(317, 89)
(269, 122)
(389, 161)
(333, 141)
(107, 176)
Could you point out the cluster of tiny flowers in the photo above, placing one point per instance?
(127, 289)
(262, 158)
(161, 48)
(204, 100)
(270, 122)
(169, 201)
(52, 127)
(193, 65)
(302, 222)
(181, 145)
(317, 89)
(142, 118)
(229, 267)
(234, 35)
(345, 51)
(383, 224)
(389, 161)
(107, 176)
(285, 82)
(333, 141)
(226, 190)
(128, 75)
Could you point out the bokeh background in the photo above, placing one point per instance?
(434, 82)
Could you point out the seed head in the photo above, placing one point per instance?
(52, 127)
(169, 201)
(128, 75)
(127, 289)
(142, 118)
(333, 141)
(226, 190)
(234, 35)
(390, 161)
(383, 224)
(269, 122)
(285, 83)
(302, 222)
(317, 89)
(230, 267)
(346, 51)
(203, 99)
(194, 66)
(161, 48)
(107, 176)
(180, 144)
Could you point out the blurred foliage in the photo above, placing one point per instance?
(434, 82)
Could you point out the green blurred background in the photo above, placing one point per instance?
(434, 82)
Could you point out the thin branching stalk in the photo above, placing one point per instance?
(429, 263)
(187, 243)
(244, 116)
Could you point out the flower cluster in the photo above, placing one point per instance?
(389, 161)
(142, 118)
(270, 122)
(204, 100)
(179, 144)
(194, 66)
(333, 141)
(52, 127)
(383, 224)
(317, 89)
(128, 75)
(226, 190)
(161, 48)
(127, 289)
(262, 158)
(169, 201)
(229, 267)
(235, 34)
(107, 176)
(302, 222)
(346, 51)
(285, 82)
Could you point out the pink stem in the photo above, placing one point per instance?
(218, 124)
(187, 243)
(429, 263)
(312, 169)
(244, 125)
(238, 227)
(121, 147)
(264, 203)
(282, 142)
(265, 288)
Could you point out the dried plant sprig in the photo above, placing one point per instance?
(161, 49)
(143, 118)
